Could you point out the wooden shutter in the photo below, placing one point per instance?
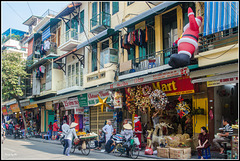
(59, 35)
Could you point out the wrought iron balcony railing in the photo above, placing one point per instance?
(217, 40)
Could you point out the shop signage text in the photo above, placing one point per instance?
(30, 106)
(15, 108)
(163, 75)
(9, 110)
(71, 103)
(83, 100)
(79, 111)
(93, 97)
(222, 82)
(4, 110)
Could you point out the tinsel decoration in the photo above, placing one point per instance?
(146, 90)
(130, 93)
(158, 99)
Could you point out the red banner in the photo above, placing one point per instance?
(4, 110)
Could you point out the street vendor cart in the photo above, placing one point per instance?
(83, 144)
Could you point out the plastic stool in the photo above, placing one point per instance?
(206, 153)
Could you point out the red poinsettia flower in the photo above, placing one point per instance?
(181, 113)
(180, 99)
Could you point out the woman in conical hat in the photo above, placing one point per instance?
(69, 137)
(128, 134)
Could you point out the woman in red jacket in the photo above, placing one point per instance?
(55, 130)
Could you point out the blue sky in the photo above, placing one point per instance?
(9, 19)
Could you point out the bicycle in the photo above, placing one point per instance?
(120, 147)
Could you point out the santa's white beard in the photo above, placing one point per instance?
(136, 120)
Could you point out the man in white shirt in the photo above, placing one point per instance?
(65, 128)
(108, 130)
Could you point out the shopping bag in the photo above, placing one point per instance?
(136, 140)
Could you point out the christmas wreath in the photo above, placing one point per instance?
(182, 108)
(158, 99)
(146, 90)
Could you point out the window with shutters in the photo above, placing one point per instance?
(94, 57)
(82, 21)
(94, 14)
(115, 7)
(115, 41)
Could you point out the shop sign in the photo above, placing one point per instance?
(163, 75)
(4, 110)
(93, 97)
(79, 111)
(176, 86)
(71, 103)
(117, 100)
(9, 110)
(30, 106)
(15, 108)
(222, 82)
(49, 105)
(83, 100)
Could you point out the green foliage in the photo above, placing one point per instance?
(13, 36)
(13, 74)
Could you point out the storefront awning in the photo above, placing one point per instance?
(68, 10)
(101, 36)
(50, 23)
(145, 15)
(216, 77)
(219, 16)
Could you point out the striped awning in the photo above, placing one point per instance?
(46, 34)
(220, 16)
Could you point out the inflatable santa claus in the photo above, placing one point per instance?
(188, 42)
(138, 128)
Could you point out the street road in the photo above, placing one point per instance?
(22, 149)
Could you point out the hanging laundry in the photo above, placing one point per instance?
(136, 38)
(131, 38)
(42, 69)
(47, 45)
(121, 42)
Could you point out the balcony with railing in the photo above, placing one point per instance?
(150, 63)
(69, 40)
(218, 47)
(71, 83)
(100, 22)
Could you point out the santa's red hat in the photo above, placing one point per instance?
(136, 116)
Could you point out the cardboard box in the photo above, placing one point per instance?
(163, 152)
(180, 153)
(180, 156)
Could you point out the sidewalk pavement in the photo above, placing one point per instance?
(214, 154)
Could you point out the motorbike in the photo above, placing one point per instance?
(121, 144)
(61, 138)
(18, 134)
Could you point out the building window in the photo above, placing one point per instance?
(82, 21)
(130, 2)
(169, 33)
(69, 76)
(77, 73)
(94, 57)
(81, 75)
(94, 14)
(115, 7)
(115, 41)
(151, 37)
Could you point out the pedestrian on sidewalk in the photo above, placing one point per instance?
(203, 141)
(108, 130)
(69, 137)
(55, 130)
(50, 126)
(65, 128)
(225, 136)
(101, 139)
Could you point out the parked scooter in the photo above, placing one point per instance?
(61, 138)
(18, 134)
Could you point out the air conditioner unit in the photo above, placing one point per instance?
(109, 55)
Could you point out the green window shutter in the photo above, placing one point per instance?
(115, 41)
(67, 25)
(115, 7)
(131, 56)
(94, 14)
(82, 20)
(94, 57)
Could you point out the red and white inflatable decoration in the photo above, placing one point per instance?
(188, 43)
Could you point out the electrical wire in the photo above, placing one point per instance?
(14, 11)
(29, 7)
(219, 55)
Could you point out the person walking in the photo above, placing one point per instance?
(50, 126)
(203, 141)
(225, 136)
(55, 130)
(65, 128)
(101, 140)
(108, 130)
(69, 137)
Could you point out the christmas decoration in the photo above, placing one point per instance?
(182, 108)
(188, 43)
(102, 103)
(158, 99)
(130, 93)
(146, 90)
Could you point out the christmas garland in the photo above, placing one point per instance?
(158, 99)
(130, 93)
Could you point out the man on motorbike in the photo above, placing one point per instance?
(128, 134)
